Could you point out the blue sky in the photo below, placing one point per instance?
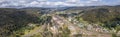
(56, 3)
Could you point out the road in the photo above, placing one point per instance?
(74, 29)
(77, 30)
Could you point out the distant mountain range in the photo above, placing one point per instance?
(49, 9)
(22, 6)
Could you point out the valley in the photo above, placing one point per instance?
(98, 21)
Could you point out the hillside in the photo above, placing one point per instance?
(102, 15)
(106, 17)
(14, 19)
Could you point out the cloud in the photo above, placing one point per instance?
(1, 1)
(56, 3)
(22, 1)
(95, 0)
(72, 0)
(41, 0)
(34, 3)
(3, 5)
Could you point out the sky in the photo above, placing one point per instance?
(56, 3)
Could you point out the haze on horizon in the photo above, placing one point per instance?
(56, 3)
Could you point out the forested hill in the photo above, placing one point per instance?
(108, 17)
(14, 19)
